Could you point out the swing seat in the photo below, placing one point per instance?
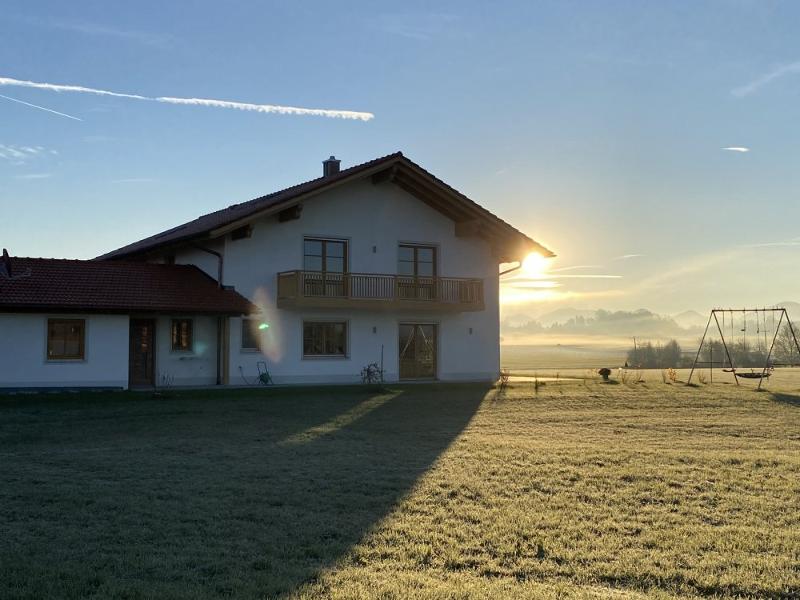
(754, 375)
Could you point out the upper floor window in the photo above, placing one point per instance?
(65, 339)
(325, 255)
(182, 335)
(416, 261)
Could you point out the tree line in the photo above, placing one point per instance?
(743, 352)
(655, 356)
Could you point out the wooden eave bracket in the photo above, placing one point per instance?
(290, 214)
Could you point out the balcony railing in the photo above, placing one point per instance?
(319, 289)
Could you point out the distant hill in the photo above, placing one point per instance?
(562, 315)
(793, 308)
(690, 319)
(565, 324)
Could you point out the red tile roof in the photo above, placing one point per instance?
(49, 284)
(202, 226)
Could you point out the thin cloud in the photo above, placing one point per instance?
(736, 149)
(628, 256)
(668, 277)
(544, 276)
(536, 283)
(576, 267)
(134, 180)
(19, 155)
(766, 79)
(511, 295)
(794, 242)
(50, 110)
(141, 37)
(246, 106)
(100, 30)
(34, 176)
(96, 139)
(418, 26)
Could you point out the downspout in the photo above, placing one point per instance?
(511, 270)
(219, 350)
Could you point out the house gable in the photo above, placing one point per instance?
(470, 218)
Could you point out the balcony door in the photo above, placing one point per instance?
(417, 351)
(325, 266)
(416, 270)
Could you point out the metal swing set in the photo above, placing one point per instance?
(761, 327)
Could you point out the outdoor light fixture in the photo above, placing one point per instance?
(263, 326)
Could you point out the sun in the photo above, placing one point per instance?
(534, 265)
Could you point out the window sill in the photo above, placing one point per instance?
(249, 351)
(64, 360)
(325, 357)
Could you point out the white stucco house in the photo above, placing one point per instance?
(378, 263)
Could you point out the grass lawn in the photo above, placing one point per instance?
(576, 489)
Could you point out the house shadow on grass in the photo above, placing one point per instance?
(249, 495)
(783, 398)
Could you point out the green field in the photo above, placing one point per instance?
(561, 356)
(573, 489)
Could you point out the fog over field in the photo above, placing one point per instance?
(583, 338)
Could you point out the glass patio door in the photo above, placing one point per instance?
(417, 351)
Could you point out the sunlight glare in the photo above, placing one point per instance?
(534, 265)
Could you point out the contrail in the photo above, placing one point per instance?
(269, 108)
(262, 108)
(50, 110)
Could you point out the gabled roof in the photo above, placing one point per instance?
(511, 243)
(49, 284)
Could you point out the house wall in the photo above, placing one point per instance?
(198, 367)
(375, 219)
(23, 353)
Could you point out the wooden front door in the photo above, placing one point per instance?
(417, 351)
(142, 355)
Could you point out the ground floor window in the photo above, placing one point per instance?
(250, 335)
(182, 335)
(66, 339)
(324, 338)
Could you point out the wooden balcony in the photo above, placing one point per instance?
(314, 289)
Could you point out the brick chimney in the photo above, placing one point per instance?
(330, 166)
(5, 264)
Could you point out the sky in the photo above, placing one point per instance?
(653, 146)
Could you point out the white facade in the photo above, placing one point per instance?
(25, 364)
(374, 219)
(23, 348)
(197, 366)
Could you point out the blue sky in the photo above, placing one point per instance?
(597, 128)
